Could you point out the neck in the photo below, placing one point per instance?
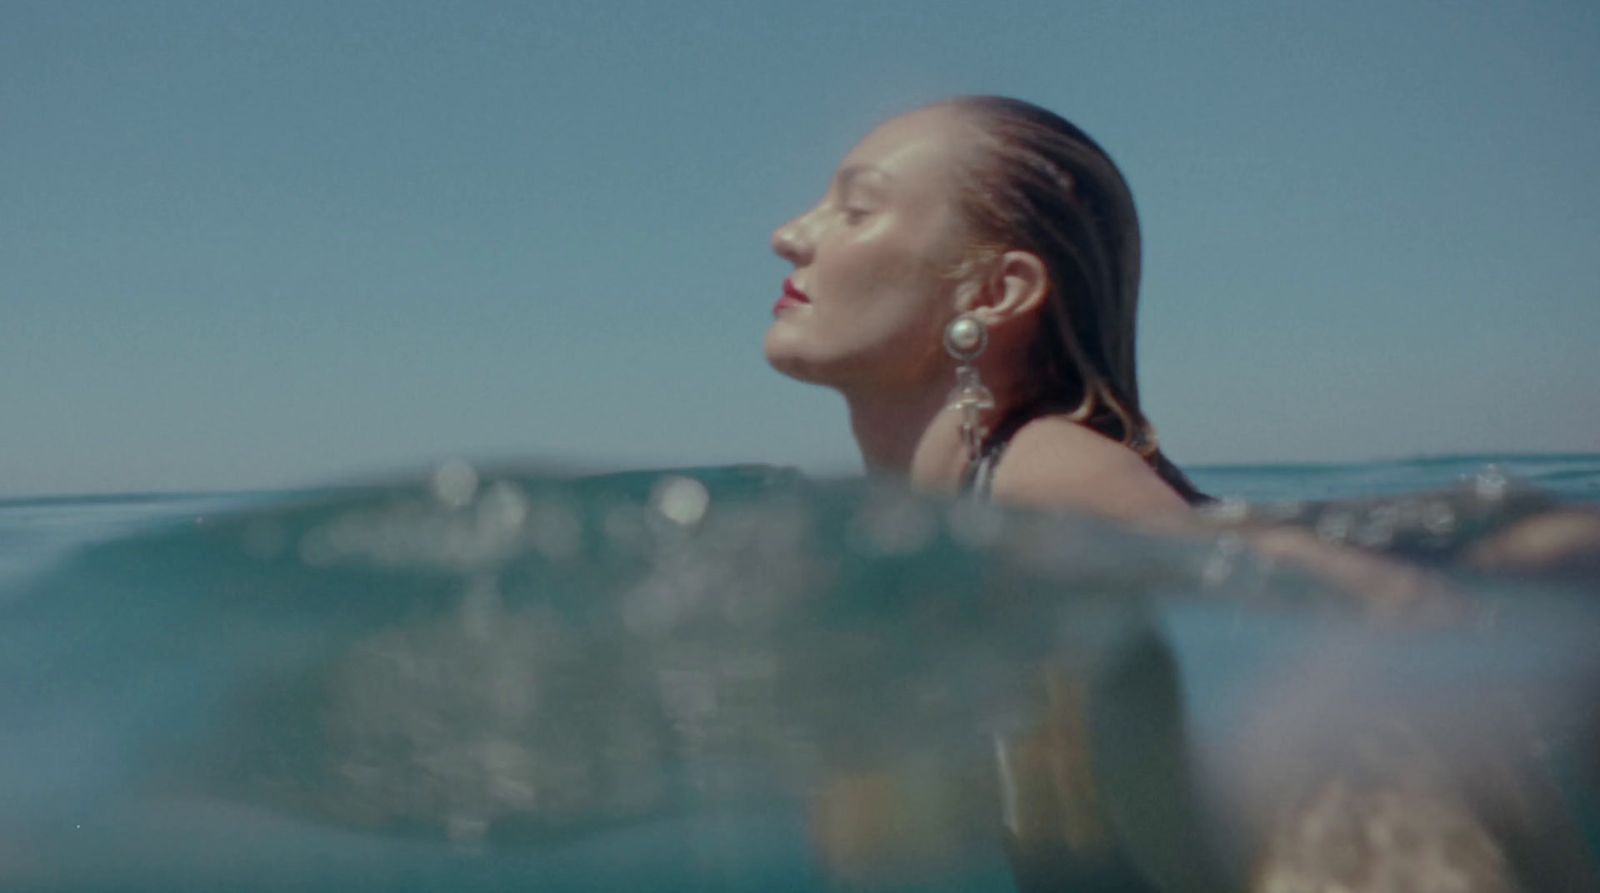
(912, 435)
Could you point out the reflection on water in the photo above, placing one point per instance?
(733, 679)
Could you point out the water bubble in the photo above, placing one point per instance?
(681, 500)
(503, 507)
(454, 483)
(1491, 484)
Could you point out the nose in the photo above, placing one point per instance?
(793, 241)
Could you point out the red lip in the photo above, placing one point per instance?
(792, 297)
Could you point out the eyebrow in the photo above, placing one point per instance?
(849, 174)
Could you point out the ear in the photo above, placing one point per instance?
(1014, 289)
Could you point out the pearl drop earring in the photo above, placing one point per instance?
(964, 339)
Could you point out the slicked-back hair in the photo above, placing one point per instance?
(1037, 183)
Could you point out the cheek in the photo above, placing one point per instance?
(897, 301)
(888, 331)
(883, 284)
(877, 317)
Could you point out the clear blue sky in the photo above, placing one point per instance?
(258, 244)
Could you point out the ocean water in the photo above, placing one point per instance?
(739, 679)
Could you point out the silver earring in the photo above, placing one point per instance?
(964, 339)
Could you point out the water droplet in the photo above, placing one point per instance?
(503, 508)
(1491, 484)
(454, 483)
(681, 500)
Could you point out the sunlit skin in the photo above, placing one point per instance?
(877, 262)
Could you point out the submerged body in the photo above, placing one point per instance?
(586, 686)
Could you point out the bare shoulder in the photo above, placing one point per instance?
(1052, 463)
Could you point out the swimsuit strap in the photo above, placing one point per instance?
(978, 479)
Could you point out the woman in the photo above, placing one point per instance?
(969, 283)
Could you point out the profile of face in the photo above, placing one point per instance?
(871, 289)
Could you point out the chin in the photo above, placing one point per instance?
(785, 354)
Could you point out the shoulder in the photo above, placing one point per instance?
(1052, 463)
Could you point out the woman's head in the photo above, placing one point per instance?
(928, 217)
(870, 292)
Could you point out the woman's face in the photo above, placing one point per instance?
(871, 291)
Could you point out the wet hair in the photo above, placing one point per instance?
(1037, 183)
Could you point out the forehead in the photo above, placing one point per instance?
(920, 147)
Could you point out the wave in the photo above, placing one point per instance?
(732, 678)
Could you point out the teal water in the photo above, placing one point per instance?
(735, 678)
